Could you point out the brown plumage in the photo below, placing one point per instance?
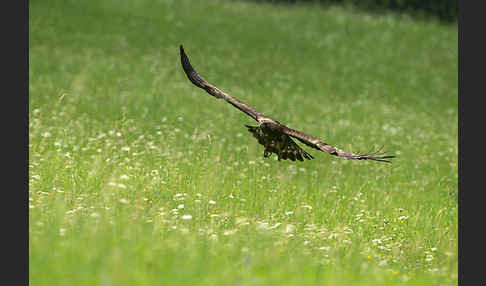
(274, 136)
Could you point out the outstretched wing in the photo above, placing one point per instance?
(322, 146)
(198, 81)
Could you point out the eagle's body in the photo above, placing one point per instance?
(270, 135)
(274, 136)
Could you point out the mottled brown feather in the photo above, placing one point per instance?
(291, 151)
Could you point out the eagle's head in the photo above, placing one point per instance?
(268, 125)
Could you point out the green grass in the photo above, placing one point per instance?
(136, 177)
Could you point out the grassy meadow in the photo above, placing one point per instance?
(137, 177)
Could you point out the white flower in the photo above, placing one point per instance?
(289, 228)
(179, 197)
(376, 241)
(230, 232)
(274, 226)
(241, 220)
(46, 134)
(124, 201)
(403, 218)
(211, 202)
(186, 217)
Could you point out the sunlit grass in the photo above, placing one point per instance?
(136, 177)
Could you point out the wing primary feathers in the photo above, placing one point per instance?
(192, 75)
(322, 146)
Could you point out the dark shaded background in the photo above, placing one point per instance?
(443, 10)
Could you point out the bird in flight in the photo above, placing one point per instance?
(273, 135)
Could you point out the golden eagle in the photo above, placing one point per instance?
(274, 136)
